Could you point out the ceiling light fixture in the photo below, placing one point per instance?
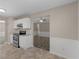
(2, 21)
(41, 21)
(2, 10)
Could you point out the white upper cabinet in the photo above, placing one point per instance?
(24, 23)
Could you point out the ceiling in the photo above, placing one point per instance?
(27, 7)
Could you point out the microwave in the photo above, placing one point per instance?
(22, 32)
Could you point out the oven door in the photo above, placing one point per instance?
(16, 40)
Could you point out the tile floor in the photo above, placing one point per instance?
(7, 51)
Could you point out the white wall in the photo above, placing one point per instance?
(2, 31)
(2, 34)
(65, 47)
(65, 43)
(42, 34)
(9, 27)
(63, 30)
(62, 21)
(2, 27)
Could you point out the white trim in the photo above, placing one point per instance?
(60, 55)
(42, 34)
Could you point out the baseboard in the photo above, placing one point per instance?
(60, 55)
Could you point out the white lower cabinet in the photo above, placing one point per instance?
(25, 42)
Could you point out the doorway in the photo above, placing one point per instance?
(41, 33)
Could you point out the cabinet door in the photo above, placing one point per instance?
(17, 22)
(26, 23)
(25, 42)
